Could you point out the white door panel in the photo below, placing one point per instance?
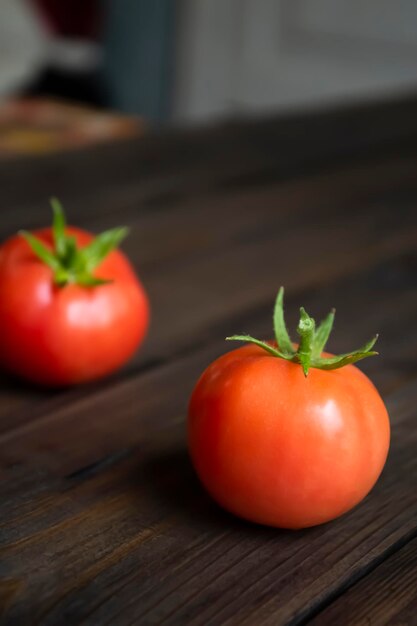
(256, 55)
(207, 58)
(372, 21)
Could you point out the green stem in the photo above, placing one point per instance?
(306, 330)
(312, 341)
(70, 264)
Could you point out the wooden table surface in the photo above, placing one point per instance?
(102, 520)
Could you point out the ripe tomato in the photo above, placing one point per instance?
(278, 447)
(72, 319)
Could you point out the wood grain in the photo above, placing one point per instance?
(141, 543)
(368, 303)
(102, 520)
(387, 596)
(211, 274)
(233, 151)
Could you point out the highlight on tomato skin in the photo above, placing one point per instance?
(288, 436)
(71, 306)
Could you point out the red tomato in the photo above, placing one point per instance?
(279, 448)
(60, 335)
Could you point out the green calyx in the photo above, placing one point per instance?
(312, 341)
(70, 264)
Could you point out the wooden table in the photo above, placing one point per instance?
(102, 519)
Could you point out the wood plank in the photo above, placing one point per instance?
(387, 596)
(101, 517)
(143, 204)
(248, 147)
(141, 543)
(161, 167)
(382, 282)
(87, 417)
(205, 222)
(208, 282)
(240, 276)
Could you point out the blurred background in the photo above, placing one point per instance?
(172, 62)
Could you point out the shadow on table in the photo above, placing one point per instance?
(172, 485)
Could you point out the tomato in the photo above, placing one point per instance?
(284, 447)
(69, 322)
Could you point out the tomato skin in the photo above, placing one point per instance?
(58, 336)
(283, 450)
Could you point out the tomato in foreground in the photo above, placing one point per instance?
(71, 307)
(284, 436)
